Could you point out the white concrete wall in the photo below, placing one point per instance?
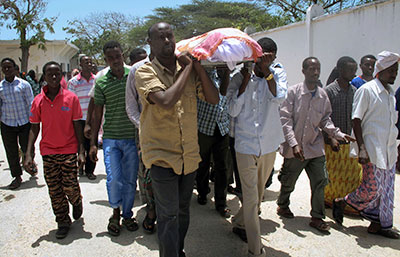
(356, 32)
(55, 51)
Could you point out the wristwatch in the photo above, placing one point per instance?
(270, 76)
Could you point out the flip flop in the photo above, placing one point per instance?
(114, 228)
(389, 233)
(148, 225)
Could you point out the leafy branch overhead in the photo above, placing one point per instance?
(25, 16)
(296, 10)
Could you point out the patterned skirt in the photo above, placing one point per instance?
(345, 175)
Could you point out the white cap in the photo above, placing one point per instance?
(385, 60)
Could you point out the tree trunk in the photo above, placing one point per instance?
(24, 58)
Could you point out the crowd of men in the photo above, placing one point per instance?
(168, 120)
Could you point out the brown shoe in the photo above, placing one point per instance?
(285, 212)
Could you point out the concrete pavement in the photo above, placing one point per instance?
(28, 227)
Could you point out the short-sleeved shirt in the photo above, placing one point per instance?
(110, 91)
(168, 137)
(15, 102)
(57, 116)
(358, 82)
(375, 107)
(81, 87)
(342, 104)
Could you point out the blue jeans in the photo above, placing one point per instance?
(122, 163)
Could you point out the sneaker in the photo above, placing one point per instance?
(77, 210)
(62, 232)
(15, 183)
(285, 212)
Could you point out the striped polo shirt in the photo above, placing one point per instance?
(110, 91)
(81, 87)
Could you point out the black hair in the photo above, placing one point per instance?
(343, 61)
(135, 52)
(367, 56)
(268, 45)
(9, 60)
(305, 61)
(50, 63)
(110, 45)
(333, 76)
(83, 56)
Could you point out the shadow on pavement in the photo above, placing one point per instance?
(301, 223)
(26, 184)
(268, 226)
(84, 179)
(270, 195)
(76, 232)
(366, 240)
(276, 253)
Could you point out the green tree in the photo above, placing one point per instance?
(93, 31)
(25, 16)
(295, 10)
(201, 16)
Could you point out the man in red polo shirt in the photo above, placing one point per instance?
(60, 112)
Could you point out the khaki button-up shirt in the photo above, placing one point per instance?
(168, 137)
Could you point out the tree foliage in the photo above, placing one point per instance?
(296, 10)
(201, 16)
(25, 16)
(93, 31)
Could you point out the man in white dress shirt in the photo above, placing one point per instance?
(254, 101)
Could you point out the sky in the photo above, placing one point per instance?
(70, 9)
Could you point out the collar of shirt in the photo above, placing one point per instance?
(45, 89)
(304, 90)
(110, 75)
(80, 77)
(379, 88)
(16, 79)
(164, 69)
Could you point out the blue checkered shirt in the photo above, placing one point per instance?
(15, 102)
(209, 115)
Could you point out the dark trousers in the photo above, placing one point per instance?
(218, 146)
(172, 194)
(89, 165)
(61, 175)
(234, 168)
(11, 136)
(316, 172)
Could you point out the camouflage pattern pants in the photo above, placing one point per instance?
(60, 173)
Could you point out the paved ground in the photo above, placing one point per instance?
(28, 228)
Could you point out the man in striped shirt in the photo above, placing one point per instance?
(81, 85)
(119, 144)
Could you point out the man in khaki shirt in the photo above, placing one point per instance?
(168, 87)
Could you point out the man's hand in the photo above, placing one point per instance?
(265, 61)
(298, 153)
(81, 160)
(334, 145)
(93, 153)
(28, 163)
(184, 60)
(87, 131)
(348, 138)
(363, 157)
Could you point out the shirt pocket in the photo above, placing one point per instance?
(315, 117)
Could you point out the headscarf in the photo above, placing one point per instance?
(385, 60)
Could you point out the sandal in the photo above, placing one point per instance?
(320, 225)
(130, 224)
(114, 228)
(148, 224)
(389, 233)
(34, 170)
